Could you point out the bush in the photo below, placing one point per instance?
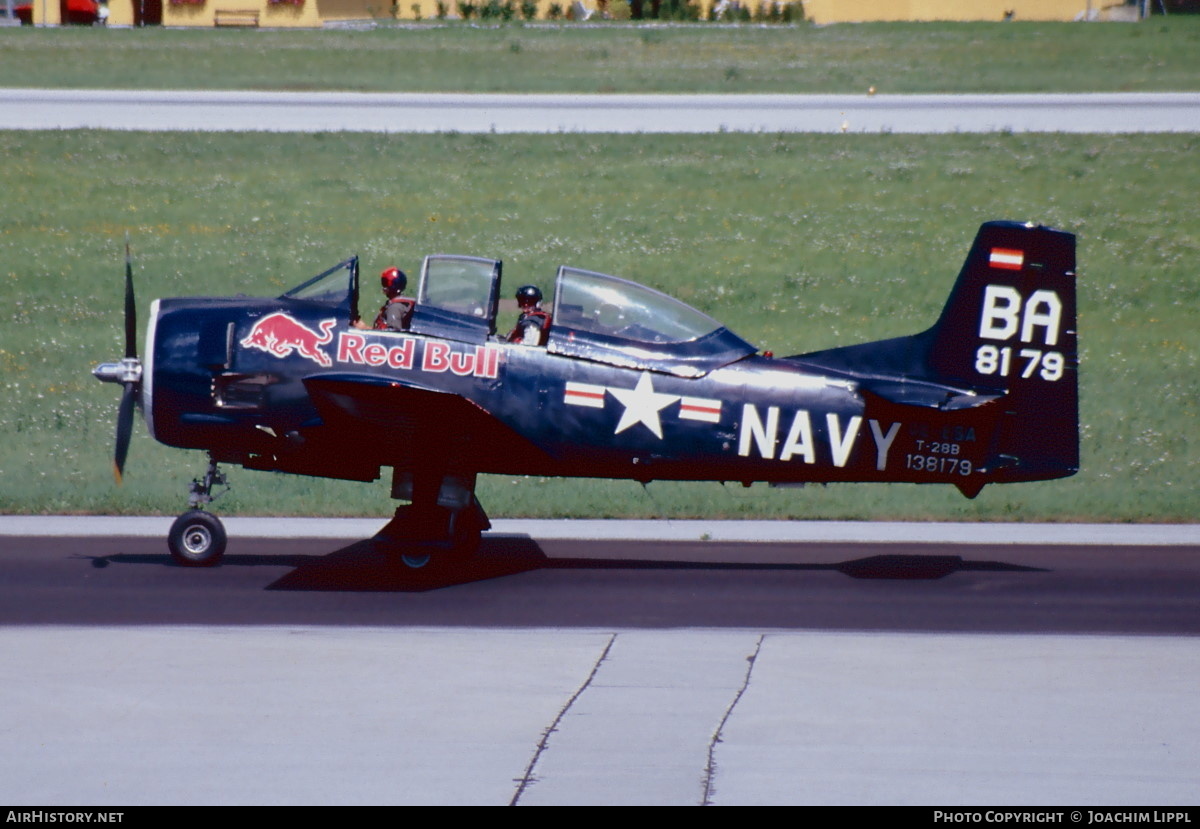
(682, 10)
(504, 10)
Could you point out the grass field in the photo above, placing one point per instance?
(1162, 54)
(797, 242)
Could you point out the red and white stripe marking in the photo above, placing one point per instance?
(1007, 259)
(700, 408)
(584, 394)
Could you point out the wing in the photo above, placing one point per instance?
(403, 424)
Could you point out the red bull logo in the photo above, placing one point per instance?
(279, 334)
(366, 349)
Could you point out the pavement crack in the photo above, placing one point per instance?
(710, 769)
(528, 776)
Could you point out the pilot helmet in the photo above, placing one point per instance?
(528, 295)
(393, 281)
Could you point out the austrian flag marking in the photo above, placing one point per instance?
(1007, 259)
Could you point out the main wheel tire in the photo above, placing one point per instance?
(197, 539)
(415, 561)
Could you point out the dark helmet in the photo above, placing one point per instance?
(393, 281)
(528, 295)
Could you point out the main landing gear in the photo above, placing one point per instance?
(197, 538)
(442, 536)
(442, 526)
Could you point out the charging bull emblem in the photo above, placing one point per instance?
(280, 335)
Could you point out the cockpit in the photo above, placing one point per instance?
(594, 316)
(612, 320)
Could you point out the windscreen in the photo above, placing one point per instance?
(333, 287)
(601, 304)
(463, 285)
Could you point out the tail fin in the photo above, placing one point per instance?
(1009, 326)
(1007, 334)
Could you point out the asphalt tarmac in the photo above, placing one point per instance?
(518, 581)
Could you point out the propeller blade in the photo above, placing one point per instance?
(124, 429)
(130, 306)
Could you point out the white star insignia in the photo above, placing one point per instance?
(642, 405)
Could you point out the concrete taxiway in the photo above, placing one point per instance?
(312, 715)
(557, 113)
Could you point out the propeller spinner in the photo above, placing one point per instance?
(127, 372)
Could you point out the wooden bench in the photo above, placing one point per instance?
(236, 17)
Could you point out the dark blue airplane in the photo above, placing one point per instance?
(621, 382)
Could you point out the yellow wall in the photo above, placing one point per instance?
(366, 9)
(120, 12)
(817, 11)
(858, 11)
(312, 13)
(280, 15)
(45, 12)
(355, 9)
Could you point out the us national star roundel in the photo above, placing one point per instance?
(642, 405)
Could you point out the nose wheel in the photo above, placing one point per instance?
(197, 539)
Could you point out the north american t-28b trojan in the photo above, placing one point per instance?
(624, 382)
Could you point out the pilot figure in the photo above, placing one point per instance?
(397, 310)
(534, 323)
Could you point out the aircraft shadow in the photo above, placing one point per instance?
(366, 566)
(362, 567)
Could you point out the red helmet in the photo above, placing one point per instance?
(393, 281)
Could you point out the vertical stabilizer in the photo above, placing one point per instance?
(1010, 326)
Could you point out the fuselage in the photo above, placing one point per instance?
(243, 392)
(627, 382)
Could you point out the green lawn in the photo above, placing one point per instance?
(1162, 54)
(798, 242)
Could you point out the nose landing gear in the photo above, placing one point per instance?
(197, 538)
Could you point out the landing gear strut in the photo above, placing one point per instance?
(443, 524)
(197, 538)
